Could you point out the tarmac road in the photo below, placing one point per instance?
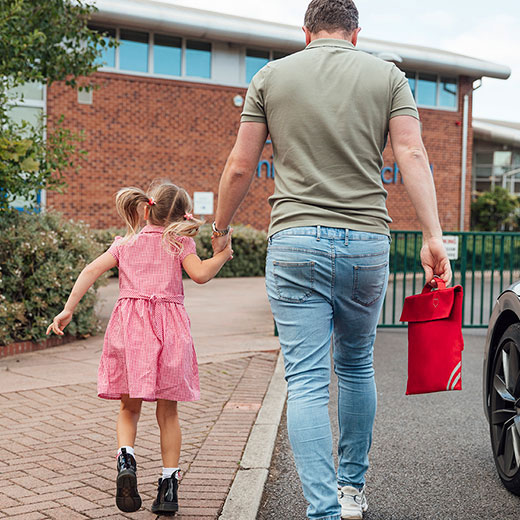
(431, 455)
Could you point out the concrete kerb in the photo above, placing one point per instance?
(243, 500)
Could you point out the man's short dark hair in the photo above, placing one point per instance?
(331, 15)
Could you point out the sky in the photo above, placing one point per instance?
(478, 28)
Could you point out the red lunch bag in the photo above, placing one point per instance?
(435, 342)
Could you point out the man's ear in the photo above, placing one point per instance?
(307, 35)
(355, 36)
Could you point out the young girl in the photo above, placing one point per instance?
(148, 351)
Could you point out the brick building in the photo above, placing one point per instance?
(170, 97)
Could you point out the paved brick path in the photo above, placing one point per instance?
(57, 446)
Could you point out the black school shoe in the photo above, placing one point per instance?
(166, 501)
(127, 496)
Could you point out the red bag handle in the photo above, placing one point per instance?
(441, 284)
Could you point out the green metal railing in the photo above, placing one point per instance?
(486, 264)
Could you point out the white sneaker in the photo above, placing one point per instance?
(353, 502)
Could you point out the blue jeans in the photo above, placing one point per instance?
(322, 283)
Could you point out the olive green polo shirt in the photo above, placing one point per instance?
(327, 109)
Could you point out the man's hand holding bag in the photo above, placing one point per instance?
(435, 341)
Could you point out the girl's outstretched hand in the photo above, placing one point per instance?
(60, 322)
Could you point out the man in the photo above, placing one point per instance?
(328, 110)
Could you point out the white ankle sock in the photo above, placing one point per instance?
(128, 449)
(168, 472)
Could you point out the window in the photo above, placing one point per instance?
(255, 60)
(29, 92)
(198, 59)
(427, 90)
(501, 161)
(491, 169)
(277, 55)
(167, 55)
(24, 113)
(133, 50)
(431, 90)
(108, 56)
(448, 92)
(29, 106)
(410, 76)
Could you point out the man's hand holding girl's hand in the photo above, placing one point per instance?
(220, 243)
(223, 244)
(60, 322)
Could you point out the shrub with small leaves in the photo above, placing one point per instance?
(105, 237)
(40, 258)
(249, 246)
(495, 210)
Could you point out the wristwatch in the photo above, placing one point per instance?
(219, 232)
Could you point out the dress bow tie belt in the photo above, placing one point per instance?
(152, 299)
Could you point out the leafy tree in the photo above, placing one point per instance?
(495, 210)
(43, 41)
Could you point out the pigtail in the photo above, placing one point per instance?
(184, 228)
(181, 221)
(127, 205)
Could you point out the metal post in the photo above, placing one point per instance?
(464, 161)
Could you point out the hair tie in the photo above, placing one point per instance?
(151, 201)
(188, 216)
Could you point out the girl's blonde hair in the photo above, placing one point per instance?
(169, 206)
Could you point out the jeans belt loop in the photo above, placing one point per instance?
(346, 237)
(318, 233)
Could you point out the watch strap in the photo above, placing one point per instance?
(219, 232)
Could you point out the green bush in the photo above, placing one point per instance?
(105, 237)
(495, 210)
(40, 258)
(249, 246)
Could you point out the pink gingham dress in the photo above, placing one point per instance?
(148, 351)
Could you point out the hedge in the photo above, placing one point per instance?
(249, 251)
(40, 259)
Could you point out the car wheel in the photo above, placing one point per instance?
(505, 408)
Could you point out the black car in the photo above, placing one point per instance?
(502, 386)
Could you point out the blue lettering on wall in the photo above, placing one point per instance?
(389, 174)
(268, 169)
(266, 165)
